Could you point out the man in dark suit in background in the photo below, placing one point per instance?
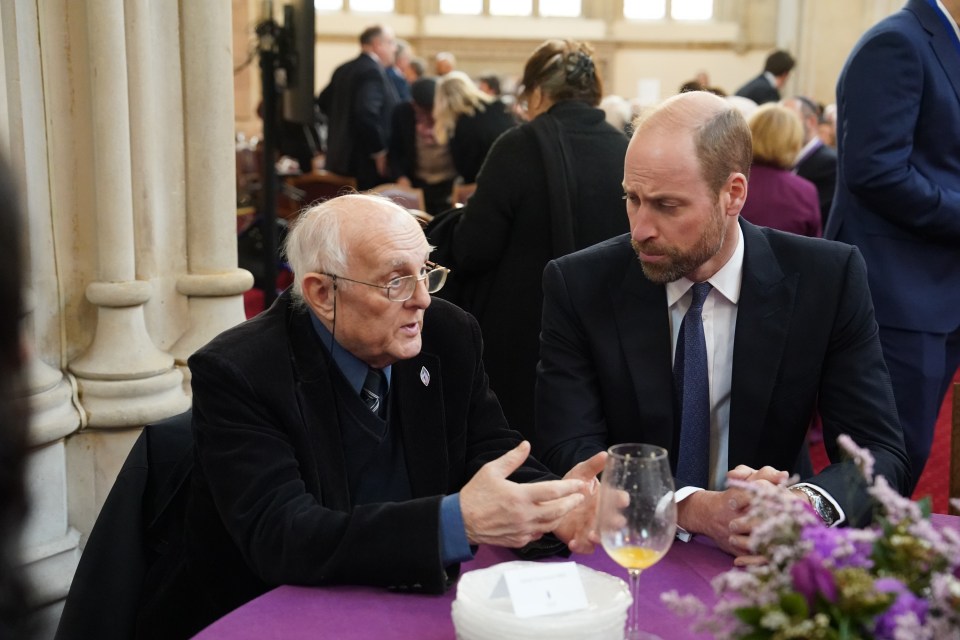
(348, 436)
(816, 162)
(787, 325)
(766, 87)
(898, 200)
(359, 103)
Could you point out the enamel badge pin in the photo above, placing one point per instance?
(424, 376)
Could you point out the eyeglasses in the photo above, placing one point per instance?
(401, 289)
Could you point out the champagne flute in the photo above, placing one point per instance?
(637, 517)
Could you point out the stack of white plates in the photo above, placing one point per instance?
(477, 616)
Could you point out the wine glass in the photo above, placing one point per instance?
(637, 517)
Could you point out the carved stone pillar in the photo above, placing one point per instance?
(213, 283)
(124, 378)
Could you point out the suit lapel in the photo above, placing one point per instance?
(318, 408)
(942, 41)
(418, 385)
(640, 311)
(763, 321)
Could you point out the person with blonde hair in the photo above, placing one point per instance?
(549, 187)
(780, 199)
(469, 120)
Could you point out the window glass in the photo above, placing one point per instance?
(372, 6)
(511, 7)
(462, 7)
(328, 5)
(691, 9)
(645, 9)
(563, 8)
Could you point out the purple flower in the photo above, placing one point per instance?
(841, 547)
(811, 577)
(906, 603)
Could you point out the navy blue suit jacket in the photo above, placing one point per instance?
(805, 337)
(898, 181)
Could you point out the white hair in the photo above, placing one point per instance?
(314, 243)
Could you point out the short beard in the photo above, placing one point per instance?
(678, 263)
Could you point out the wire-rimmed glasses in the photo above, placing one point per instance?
(402, 288)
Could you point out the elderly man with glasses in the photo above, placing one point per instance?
(348, 434)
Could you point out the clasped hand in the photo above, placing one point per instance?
(500, 512)
(724, 515)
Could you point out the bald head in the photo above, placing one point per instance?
(721, 137)
(326, 236)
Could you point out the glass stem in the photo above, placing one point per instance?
(633, 617)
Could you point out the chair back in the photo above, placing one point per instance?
(141, 518)
(302, 191)
(955, 449)
(407, 197)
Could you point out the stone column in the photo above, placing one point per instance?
(50, 545)
(213, 283)
(124, 378)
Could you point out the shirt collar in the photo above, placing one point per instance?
(727, 280)
(772, 79)
(353, 368)
(949, 17)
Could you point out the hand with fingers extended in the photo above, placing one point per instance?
(504, 513)
(576, 526)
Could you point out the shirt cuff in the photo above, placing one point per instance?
(454, 546)
(679, 496)
(841, 517)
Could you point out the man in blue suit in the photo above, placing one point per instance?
(898, 199)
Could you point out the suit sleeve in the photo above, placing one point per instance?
(856, 398)
(879, 118)
(283, 533)
(570, 424)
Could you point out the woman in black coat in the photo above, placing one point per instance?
(470, 120)
(548, 187)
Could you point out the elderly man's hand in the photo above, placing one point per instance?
(504, 513)
(577, 526)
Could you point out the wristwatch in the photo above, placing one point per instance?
(821, 505)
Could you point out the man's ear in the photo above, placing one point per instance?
(734, 194)
(318, 292)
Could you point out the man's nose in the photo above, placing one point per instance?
(420, 298)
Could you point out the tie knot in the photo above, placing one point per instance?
(700, 291)
(372, 391)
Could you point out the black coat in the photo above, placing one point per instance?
(820, 168)
(270, 503)
(503, 240)
(358, 103)
(759, 90)
(474, 135)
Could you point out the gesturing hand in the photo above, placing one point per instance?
(576, 527)
(500, 512)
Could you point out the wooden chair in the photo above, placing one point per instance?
(955, 449)
(406, 197)
(303, 190)
(461, 193)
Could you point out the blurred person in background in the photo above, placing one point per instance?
(816, 161)
(444, 62)
(548, 187)
(778, 198)
(416, 157)
(766, 87)
(469, 120)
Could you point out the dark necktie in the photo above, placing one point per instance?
(372, 390)
(691, 384)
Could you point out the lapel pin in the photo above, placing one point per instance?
(424, 376)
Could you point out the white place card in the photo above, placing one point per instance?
(544, 589)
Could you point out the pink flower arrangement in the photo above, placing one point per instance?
(898, 579)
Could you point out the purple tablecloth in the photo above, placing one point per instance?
(357, 613)
(361, 613)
